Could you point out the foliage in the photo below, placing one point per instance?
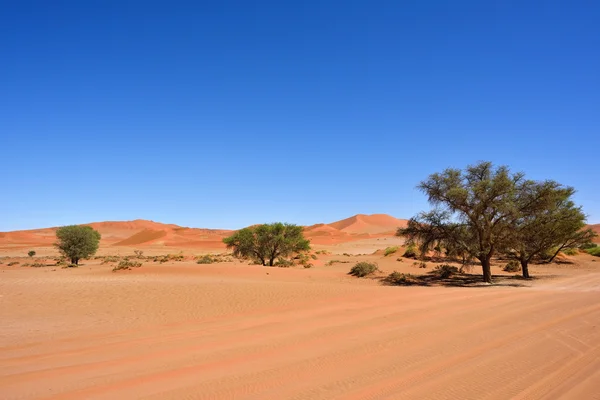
(548, 223)
(484, 210)
(268, 242)
(77, 242)
(363, 269)
(127, 265)
(411, 251)
(570, 251)
(397, 278)
(512, 266)
(206, 259)
(595, 251)
(284, 263)
(31, 253)
(445, 271)
(588, 245)
(390, 250)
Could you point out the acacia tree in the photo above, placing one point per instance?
(77, 242)
(548, 220)
(474, 209)
(265, 243)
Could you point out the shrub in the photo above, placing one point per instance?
(570, 252)
(410, 252)
(126, 264)
(445, 271)
(308, 265)
(313, 256)
(397, 278)
(390, 250)
(138, 253)
(10, 264)
(399, 259)
(594, 251)
(110, 259)
(588, 245)
(284, 263)
(31, 253)
(336, 262)
(512, 266)
(363, 269)
(206, 259)
(38, 265)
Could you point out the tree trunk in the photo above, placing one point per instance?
(487, 270)
(75, 261)
(555, 254)
(525, 268)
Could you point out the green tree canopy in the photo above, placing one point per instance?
(77, 242)
(265, 243)
(485, 210)
(549, 221)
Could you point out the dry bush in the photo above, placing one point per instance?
(512, 266)
(126, 265)
(363, 269)
(397, 278)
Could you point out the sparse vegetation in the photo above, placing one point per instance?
(31, 253)
(595, 251)
(445, 271)
(284, 263)
(390, 250)
(397, 278)
(512, 266)
(570, 252)
(331, 262)
(363, 269)
(10, 264)
(205, 259)
(110, 259)
(138, 253)
(37, 265)
(410, 251)
(77, 242)
(127, 265)
(268, 242)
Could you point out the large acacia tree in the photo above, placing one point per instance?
(474, 209)
(265, 243)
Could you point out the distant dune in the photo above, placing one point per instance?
(141, 233)
(596, 228)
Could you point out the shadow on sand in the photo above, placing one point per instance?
(457, 280)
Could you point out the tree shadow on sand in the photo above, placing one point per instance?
(456, 280)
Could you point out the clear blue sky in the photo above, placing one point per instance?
(223, 114)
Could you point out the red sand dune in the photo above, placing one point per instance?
(140, 233)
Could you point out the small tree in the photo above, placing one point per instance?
(265, 243)
(77, 242)
(31, 253)
(548, 220)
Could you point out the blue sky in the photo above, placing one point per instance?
(224, 114)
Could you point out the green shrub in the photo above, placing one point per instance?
(206, 259)
(126, 264)
(390, 250)
(31, 253)
(570, 252)
(512, 266)
(410, 252)
(445, 271)
(363, 269)
(110, 259)
(588, 245)
(594, 251)
(397, 278)
(284, 263)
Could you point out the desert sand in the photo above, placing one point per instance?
(181, 330)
